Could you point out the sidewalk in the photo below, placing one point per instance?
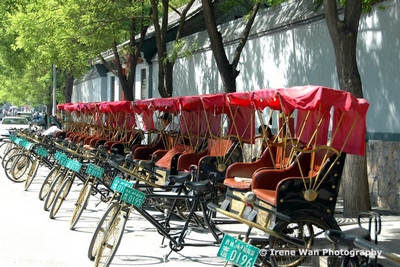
(141, 244)
(389, 238)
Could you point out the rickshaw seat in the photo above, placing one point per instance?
(169, 143)
(239, 174)
(79, 138)
(69, 133)
(266, 195)
(143, 152)
(168, 159)
(266, 184)
(165, 160)
(61, 135)
(215, 147)
(129, 139)
(246, 169)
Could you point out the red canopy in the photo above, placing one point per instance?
(62, 106)
(316, 103)
(72, 107)
(322, 113)
(201, 114)
(116, 107)
(312, 97)
(241, 114)
(170, 104)
(141, 105)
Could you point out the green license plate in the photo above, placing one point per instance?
(42, 152)
(59, 155)
(28, 145)
(238, 252)
(133, 196)
(63, 161)
(22, 143)
(95, 170)
(18, 141)
(119, 184)
(73, 165)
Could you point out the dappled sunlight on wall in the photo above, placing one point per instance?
(295, 52)
(379, 61)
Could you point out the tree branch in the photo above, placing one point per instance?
(107, 65)
(352, 15)
(183, 18)
(331, 16)
(245, 36)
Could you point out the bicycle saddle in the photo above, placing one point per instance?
(180, 178)
(201, 187)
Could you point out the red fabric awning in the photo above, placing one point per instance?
(115, 107)
(62, 106)
(339, 117)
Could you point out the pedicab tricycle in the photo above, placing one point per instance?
(289, 194)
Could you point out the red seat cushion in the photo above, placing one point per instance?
(269, 196)
(237, 184)
(165, 161)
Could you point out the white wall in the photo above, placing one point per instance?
(282, 56)
(90, 91)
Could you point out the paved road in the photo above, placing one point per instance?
(29, 238)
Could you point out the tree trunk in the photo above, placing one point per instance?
(228, 71)
(160, 32)
(127, 77)
(69, 85)
(169, 72)
(355, 186)
(228, 76)
(344, 38)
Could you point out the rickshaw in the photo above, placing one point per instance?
(292, 202)
(208, 140)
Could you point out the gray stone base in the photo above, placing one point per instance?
(383, 168)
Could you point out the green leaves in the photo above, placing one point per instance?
(68, 33)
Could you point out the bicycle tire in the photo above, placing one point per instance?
(111, 240)
(16, 167)
(312, 229)
(7, 167)
(5, 145)
(81, 204)
(20, 167)
(61, 196)
(12, 151)
(102, 228)
(55, 186)
(31, 174)
(44, 189)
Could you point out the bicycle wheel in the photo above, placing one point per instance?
(54, 188)
(32, 173)
(61, 196)
(309, 232)
(17, 166)
(5, 145)
(7, 167)
(111, 240)
(81, 203)
(12, 151)
(102, 228)
(45, 188)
